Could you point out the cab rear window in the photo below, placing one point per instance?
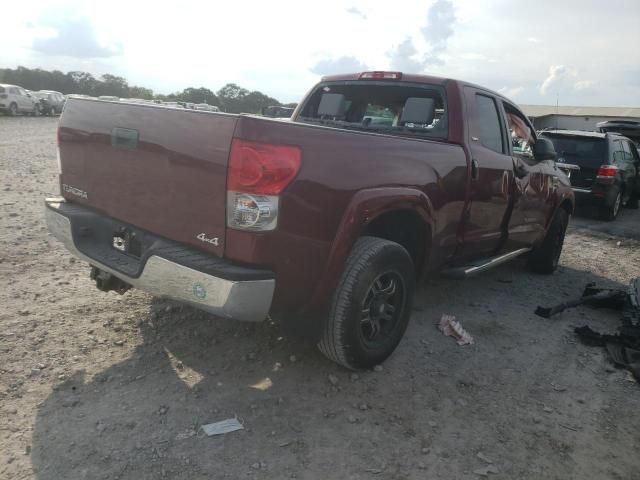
(382, 107)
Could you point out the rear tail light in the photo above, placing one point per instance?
(381, 75)
(607, 171)
(258, 173)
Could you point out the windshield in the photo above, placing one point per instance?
(392, 108)
(581, 151)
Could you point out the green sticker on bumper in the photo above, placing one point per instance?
(199, 291)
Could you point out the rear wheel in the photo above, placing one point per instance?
(371, 307)
(610, 212)
(545, 257)
(13, 109)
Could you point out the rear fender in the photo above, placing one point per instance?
(564, 196)
(366, 206)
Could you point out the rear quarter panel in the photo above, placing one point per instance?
(318, 206)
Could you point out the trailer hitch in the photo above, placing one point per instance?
(107, 282)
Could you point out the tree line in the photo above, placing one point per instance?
(231, 98)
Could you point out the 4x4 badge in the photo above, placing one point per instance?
(203, 238)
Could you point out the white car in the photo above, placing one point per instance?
(206, 107)
(14, 100)
(172, 104)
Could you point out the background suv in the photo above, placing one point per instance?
(50, 102)
(609, 168)
(14, 100)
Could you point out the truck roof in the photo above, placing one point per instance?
(415, 78)
(406, 77)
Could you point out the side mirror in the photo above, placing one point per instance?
(543, 149)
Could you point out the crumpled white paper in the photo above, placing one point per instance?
(450, 327)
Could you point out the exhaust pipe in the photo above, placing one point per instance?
(107, 282)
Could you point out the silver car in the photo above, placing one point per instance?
(14, 100)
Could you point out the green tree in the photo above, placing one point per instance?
(198, 95)
(232, 97)
(141, 92)
(113, 85)
(84, 83)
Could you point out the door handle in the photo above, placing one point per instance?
(475, 169)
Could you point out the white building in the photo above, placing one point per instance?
(576, 118)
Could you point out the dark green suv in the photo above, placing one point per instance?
(609, 174)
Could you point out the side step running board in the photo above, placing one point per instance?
(482, 265)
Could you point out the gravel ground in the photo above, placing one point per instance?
(102, 386)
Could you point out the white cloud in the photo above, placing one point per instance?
(512, 92)
(403, 58)
(280, 47)
(439, 28)
(561, 77)
(584, 84)
(557, 74)
(357, 12)
(339, 65)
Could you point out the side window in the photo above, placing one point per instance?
(14, 91)
(618, 151)
(522, 138)
(489, 121)
(629, 152)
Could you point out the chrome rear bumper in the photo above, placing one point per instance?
(248, 300)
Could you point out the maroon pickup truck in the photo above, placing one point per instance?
(326, 219)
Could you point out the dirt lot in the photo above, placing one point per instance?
(101, 386)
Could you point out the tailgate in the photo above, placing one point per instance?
(161, 169)
(584, 177)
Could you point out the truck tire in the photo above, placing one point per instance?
(544, 258)
(13, 110)
(371, 307)
(610, 212)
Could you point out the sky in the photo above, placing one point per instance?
(582, 52)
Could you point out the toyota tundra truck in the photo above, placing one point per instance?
(327, 220)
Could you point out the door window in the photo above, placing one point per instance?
(618, 151)
(630, 152)
(520, 133)
(489, 123)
